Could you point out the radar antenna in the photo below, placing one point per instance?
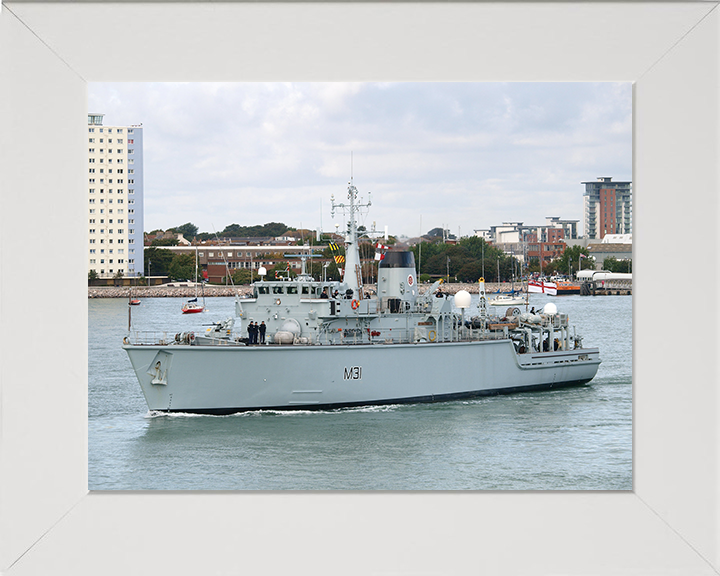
(353, 273)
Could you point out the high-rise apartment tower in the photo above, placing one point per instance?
(608, 208)
(115, 199)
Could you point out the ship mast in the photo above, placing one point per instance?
(353, 273)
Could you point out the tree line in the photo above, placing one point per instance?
(472, 258)
(190, 232)
(466, 260)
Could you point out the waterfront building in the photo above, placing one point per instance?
(544, 251)
(525, 242)
(555, 229)
(215, 260)
(608, 208)
(568, 226)
(602, 250)
(115, 199)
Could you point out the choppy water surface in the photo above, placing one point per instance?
(574, 439)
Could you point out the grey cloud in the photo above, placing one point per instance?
(473, 154)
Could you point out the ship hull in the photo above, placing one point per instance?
(228, 379)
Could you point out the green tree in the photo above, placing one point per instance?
(269, 229)
(234, 230)
(333, 271)
(613, 265)
(92, 275)
(243, 276)
(164, 242)
(188, 230)
(551, 268)
(157, 261)
(476, 246)
(470, 259)
(470, 272)
(533, 266)
(182, 267)
(568, 262)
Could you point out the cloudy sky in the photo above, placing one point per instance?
(461, 155)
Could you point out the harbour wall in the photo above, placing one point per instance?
(212, 291)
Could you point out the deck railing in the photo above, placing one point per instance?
(455, 334)
(146, 338)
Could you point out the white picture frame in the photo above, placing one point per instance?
(49, 523)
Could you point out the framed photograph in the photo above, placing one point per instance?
(49, 521)
(467, 154)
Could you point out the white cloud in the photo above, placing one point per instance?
(468, 155)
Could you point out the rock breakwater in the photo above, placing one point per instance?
(215, 291)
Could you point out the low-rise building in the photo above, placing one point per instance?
(214, 260)
(602, 250)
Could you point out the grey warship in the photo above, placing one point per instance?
(330, 344)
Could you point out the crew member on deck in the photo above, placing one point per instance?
(262, 332)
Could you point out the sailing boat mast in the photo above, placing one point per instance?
(192, 306)
(196, 278)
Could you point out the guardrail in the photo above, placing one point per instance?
(145, 338)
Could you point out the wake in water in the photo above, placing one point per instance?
(376, 409)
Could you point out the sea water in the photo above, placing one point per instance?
(570, 439)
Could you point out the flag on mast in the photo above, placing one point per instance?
(380, 251)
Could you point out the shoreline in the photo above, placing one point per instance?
(213, 291)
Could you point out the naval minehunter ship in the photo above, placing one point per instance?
(331, 345)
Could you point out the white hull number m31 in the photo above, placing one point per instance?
(353, 373)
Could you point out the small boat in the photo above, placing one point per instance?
(512, 298)
(565, 287)
(132, 301)
(192, 306)
(508, 300)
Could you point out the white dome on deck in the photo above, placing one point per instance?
(550, 308)
(462, 299)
